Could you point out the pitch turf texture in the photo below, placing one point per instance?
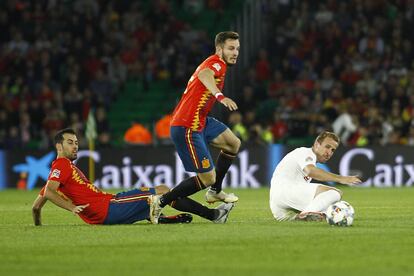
(381, 241)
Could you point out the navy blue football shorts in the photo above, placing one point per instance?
(192, 146)
(129, 207)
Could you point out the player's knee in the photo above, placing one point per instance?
(161, 189)
(340, 193)
(208, 179)
(236, 145)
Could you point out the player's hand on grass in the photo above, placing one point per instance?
(350, 180)
(79, 209)
(229, 103)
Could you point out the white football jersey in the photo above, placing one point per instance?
(290, 169)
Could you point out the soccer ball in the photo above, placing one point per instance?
(340, 213)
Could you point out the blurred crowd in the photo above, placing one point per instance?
(340, 65)
(61, 59)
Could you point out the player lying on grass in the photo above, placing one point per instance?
(292, 196)
(179, 218)
(97, 207)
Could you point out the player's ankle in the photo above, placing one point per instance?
(215, 189)
(162, 203)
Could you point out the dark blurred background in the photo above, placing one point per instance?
(304, 66)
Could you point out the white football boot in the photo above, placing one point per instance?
(212, 196)
(155, 208)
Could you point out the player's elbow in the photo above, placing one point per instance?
(315, 173)
(310, 170)
(36, 208)
(49, 192)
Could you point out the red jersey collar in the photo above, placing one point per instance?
(220, 58)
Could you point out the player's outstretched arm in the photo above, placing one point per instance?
(52, 194)
(350, 180)
(37, 210)
(322, 175)
(206, 76)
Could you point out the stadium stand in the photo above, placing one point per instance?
(131, 60)
(323, 57)
(60, 59)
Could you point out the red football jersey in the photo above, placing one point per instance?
(197, 101)
(75, 186)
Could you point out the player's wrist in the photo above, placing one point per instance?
(219, 96)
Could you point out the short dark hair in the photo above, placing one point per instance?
(223, 36)
(59, 135)
(321, 137)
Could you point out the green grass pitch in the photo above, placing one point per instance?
(381, 241)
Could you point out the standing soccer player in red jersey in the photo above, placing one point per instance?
(69, 189)
(192, 130)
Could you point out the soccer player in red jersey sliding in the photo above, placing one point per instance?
(192, 130)
(68, 188)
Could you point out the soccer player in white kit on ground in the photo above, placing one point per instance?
(292, 195)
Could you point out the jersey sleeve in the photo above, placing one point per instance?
(60, 171)
(306, 158)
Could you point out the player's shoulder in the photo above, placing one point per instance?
(215, 57)
(308, 154)
(61, 162)
(300, 150)
(303, 151)
(215, 61)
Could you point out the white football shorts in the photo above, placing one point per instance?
(287, 198)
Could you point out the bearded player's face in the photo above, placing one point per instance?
(230, 51)
(70, 146)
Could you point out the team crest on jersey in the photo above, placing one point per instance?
(205, 163)
(217, 66)
(308, 159)
(55, 173)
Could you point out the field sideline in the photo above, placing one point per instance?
(381, 242)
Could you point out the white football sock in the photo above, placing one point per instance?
(322, 201)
